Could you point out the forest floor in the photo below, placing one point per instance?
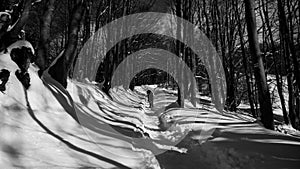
(40, 129)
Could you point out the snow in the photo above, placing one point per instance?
(20, 44)
(36, 148)
(124, 132)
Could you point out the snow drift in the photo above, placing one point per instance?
(47, 126)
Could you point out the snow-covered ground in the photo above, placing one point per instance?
(277, 107)
(50, 127)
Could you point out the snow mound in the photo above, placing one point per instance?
(41, 131)
(50, 127)
(19, 44)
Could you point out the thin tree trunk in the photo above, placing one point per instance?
(245, 63)
(178, 11)
(263, 90)
(288, 41)
(278, 81)
(288, 50)
(43, 49)
(193, 90)
(108, 61)
(60, 70)
(286, 54)
(87, 21)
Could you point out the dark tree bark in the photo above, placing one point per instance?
(230, 34)
(192, 61)
(287, 38)
(87, 21)
(19, 18)
(291, 102)
(291, 61)
(43, 49)
(278, 81)
(263, 90)
(245, 62)
(226, 31)
(61, 69)
(108, 59)
(178, 11)
(4, 4)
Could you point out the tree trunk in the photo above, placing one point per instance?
(289, 51)
(245, 63)
(278, 81)
(263, 90)
(43, 49)
(286, 54)
(60, 70)
(22, 20)
(179, 50)
(287, 38)
(108, 59)
(18, 21)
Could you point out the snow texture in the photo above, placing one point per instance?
(47, 126)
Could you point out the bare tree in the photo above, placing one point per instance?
(263, 90)
(17, 20)
(43, 49)
(241, 29)
(61, 69)
(278, 81)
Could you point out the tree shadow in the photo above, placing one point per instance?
(67, 143)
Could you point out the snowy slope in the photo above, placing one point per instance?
(42, 131)
(50, 137)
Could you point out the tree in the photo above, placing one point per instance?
(61, 69)
(278, 81)
(43, 49)
(17, 19)
(263, 90)
(241, 28)
(291, 61)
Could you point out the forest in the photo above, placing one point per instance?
(153, 83)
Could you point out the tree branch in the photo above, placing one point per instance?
(18, 26)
